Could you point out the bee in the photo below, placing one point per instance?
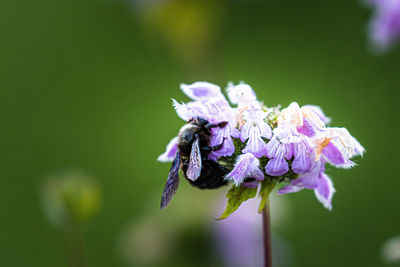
(192, 157)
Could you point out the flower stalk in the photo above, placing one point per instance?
(266, 226)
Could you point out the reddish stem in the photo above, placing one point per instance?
(267, 235)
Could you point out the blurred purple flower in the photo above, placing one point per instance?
(384, 27)
(240, 237)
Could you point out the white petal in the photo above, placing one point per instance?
(241, 93)
(291, 114)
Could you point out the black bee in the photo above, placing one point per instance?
(192, 157)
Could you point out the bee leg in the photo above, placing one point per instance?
(213, 125)
(213, 148)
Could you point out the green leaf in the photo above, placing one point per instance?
(236, 195)
(266, 187)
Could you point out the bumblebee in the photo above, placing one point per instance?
(192, 157)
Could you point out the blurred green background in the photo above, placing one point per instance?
(87, 85)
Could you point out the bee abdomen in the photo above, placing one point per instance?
(211, 176)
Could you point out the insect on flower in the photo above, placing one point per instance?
(254, 147)
(192, 156)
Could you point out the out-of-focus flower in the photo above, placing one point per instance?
(152, 237)
(384, 27)
(239, 239)
(146, 242)
(263, 145)
(71, 196)
(189, 28)
(391, 250)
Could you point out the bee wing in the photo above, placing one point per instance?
(194, 168)
(172, 183)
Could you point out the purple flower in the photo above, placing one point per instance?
(384, 28)
(246, 166)
(303, 156)
(278, 153)
(285, 144)
(294, 139)
(254, 129)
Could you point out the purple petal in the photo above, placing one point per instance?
(257, 174)
(255, 144)
(289, 151)
(245, 132)
(252, 184)
(235, 133)
(277, 166)
(309, 180)
(303, 157)
(217, 138)
(201, 90)
(245, 166)
(325, 190)
(289, 189)
(265, 130)
(272, 147)
(335, 156)
(287, 133)
(170, 152)
(308, 128)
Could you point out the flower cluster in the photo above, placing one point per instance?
(290, 145)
